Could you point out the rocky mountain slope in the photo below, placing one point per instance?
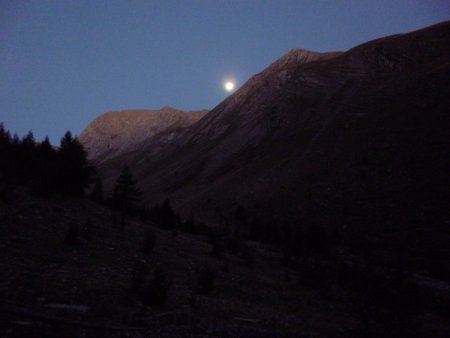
(357, 140)
(115, 133)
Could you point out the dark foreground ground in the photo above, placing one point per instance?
(93, 283)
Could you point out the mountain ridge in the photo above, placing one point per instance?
(335, 141)
(117, 132)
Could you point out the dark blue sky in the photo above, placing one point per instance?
(62, 63)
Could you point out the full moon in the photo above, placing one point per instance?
(229, 86)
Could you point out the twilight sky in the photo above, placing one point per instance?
(62, 63)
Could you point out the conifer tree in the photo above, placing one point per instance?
(5, 136)
(28, 141)
(45, 147)
(75, 171)
(46, 166)
(126, 195)
(26, 157)
(5, 149)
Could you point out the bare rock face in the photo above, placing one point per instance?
(115, 133)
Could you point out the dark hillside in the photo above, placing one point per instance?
(60, 282)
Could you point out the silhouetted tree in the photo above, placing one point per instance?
(74, 169)
(5, 150)
(126, 195)
(25, 155)
(46, 166)
(5, 137)
(28, 140)
(15, 140)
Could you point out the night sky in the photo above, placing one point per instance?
(62, 63)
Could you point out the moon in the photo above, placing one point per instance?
(229, 86)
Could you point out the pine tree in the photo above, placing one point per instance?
(15, 140)
(66, 140)
(75, 171)
(26, 157)
(5, 136)
(5, 149)
(126, 195)
(45, 147)
(46, 166)
(28, 141)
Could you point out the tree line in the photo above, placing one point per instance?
(41, 166)
(44, 167)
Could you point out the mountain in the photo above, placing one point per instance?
(356, 140)
(114, 133)
(343, 157)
